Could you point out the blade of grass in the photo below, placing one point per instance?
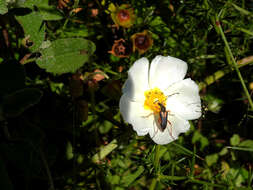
(157, 156)
(105, 151)
(241, 10)
(240, 148)
(129, 179)
(246, 31)
(250, 177)
(207, 183)
(193, 161)
(221, 73)
(156, 165)
(172, 178)
(234, 63)
(186, 150)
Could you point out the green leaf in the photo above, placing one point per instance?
(235, 140)
(17, 102)
(69, 151)
(115, 179)
(34, 28)
(105, 127)
(105, 151)
(3, 7)
(127, 180)
(78, 31)
(31, 3)
(47, 12)
(238, 175)
(211, 159)
(247, 143)
(12, 77)
(198, 137)
(223, 152)
(66, 55)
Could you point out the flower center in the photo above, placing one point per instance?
(123, 15)
(152, 98)
(141, 41)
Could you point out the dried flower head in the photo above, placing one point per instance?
(122, 15)
(99, 75)
(120, 49)
(142, 41)
(94, 12)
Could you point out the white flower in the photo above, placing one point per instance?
(148, 89)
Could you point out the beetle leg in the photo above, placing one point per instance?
(170, 130)
(169, 112)
(155, 132)
(172, 94)
(148, 115)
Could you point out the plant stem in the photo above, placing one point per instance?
(221, 73)
(49, 175)
(234, 63)
(156, 161)
(153, 184)
(156, 165)
(207, 183)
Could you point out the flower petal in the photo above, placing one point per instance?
(137, 82)
(176, 126)
(165, 71)
(183, 99)
(135, 114)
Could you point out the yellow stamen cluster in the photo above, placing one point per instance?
(152, 98)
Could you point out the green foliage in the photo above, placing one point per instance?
(65, 55)
(46, 11)
(34, 29)
(235, 140)
(198, 137)
(3, 7)
(212, 159)
(60, 126)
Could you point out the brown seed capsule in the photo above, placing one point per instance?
(120, 49)
(142, 41)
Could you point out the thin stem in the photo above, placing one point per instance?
(234, 64)
(157, 156)
(221, 73)
(50, 178)
(76, 3)
(156, 165)
(153, 184)
(173, 178)
(207, 183)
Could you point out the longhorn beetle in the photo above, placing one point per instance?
(163, 119)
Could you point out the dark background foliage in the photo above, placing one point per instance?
(60, 126)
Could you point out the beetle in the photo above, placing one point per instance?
(163, 119)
